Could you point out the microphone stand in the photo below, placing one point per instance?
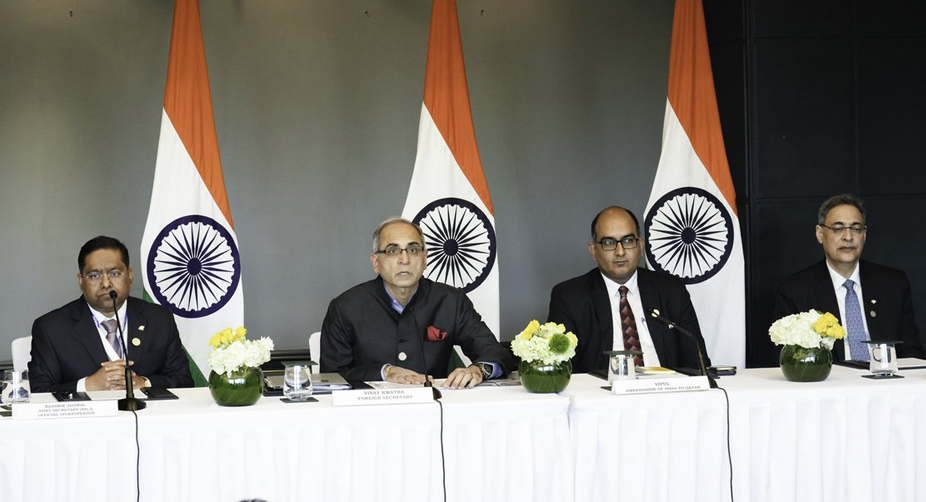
(129, 402)
(703, 367)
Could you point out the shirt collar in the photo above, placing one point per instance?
(613, 286)
(398, 307)
(839, 280)
(99, 317)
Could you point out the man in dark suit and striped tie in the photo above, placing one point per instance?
(873, 302)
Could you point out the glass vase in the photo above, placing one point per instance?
(242, 388)
(545, 378)
(799, 364)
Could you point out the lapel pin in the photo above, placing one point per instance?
(141, 328)
(873, 313)
(873, 301)
(136, 342)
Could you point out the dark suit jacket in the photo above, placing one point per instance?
(582, 305)
(362, 332)
(886, 302)
(66, 347)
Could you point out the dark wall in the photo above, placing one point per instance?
(818, 98)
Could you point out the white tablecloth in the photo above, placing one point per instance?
(844, 439)
(501, 444)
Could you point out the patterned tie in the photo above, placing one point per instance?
(111, 336)
(629, 327)
(855, 327)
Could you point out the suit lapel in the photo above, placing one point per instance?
(136, 330)
(649, 298)
(824, 292)
(870, 295)
(86, 333)
(603, 311)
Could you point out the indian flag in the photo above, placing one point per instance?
(691, 226)
(189, 251)
(448, 196)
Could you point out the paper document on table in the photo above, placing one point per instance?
(112, 395)
(657, 372)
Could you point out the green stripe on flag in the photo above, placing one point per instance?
(199, 380)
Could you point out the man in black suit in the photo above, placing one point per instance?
(872, 301)
(381, 329)
(617, 290)
(76, 347)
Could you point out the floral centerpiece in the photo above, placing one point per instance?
(236, 379)
(546, 352)
(808, 339)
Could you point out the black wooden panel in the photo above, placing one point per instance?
(894, 240)
(802, 18)
(891, 18)
(891, 107)
(725, 20)
(784, 242)
(804, 117)
(729, 65)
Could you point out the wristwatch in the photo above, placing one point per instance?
(486, 370)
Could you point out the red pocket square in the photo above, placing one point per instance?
(435, 334)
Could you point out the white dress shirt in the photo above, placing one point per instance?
(840, 288)
(650, 357)
(98, 318)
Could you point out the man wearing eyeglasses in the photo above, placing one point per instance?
(400, 327)
(608, 308)
(77, 347)
(873, 302)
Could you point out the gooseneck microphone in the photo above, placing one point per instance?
(674, 325)
(129, 402)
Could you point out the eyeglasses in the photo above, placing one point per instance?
(856, 229)
(610, 244)
(96, 276)
(394, 251)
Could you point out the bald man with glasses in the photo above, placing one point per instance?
(873, 302)
(401, 327)
(609, 307)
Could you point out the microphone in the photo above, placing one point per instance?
(129, 402)
(674, 325)
(427, 380)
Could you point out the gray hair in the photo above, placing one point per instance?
(843, 199)
(390, 221)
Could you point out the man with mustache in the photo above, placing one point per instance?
(609, 307)
(873, 302)
(401, 327)
(76, 347)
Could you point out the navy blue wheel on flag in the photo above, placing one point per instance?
(193, 266)
(689, 234)
(460, 241)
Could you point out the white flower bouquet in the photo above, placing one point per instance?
(231, 351)
(812, 329)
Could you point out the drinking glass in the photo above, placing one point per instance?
(15, 387)
(297, 380)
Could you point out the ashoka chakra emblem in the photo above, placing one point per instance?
(460, 242)
(193, 266)
(689, 234)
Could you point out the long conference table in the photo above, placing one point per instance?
(845, 439)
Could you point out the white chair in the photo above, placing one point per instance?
(315, 351)
(22, 353)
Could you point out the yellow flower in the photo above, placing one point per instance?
(226, 336)
(836, 331)
(240, 333)
(529, 331)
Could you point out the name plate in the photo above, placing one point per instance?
(76, 409)
(654, 385)
(362, 397)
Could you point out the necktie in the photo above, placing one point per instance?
(629, 327)
(110, 326)
(855, 327)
